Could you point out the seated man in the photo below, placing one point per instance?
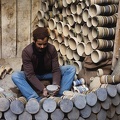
(40, 61)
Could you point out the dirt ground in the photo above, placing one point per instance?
(6, 83)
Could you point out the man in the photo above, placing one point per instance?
(40, 61)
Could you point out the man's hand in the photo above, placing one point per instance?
(45, 92)
(56, 92)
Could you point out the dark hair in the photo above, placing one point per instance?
(40, 33)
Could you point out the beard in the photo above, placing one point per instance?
(41, 49)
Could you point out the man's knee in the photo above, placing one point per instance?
(15, 76)
(72, 68)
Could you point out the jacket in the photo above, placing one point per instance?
(30, 62)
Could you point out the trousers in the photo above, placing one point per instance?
(67, 76)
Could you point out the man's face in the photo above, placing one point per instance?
(41, 44)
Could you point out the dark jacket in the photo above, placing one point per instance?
(30, 62)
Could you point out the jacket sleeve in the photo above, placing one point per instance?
(29, 71)
(55, 68)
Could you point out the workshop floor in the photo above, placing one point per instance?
(6, 83)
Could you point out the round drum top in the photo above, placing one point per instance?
(52, 88)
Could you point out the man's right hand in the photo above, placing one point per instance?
(45, 92)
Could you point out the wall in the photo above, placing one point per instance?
(17, 21)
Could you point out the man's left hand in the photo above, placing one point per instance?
(56, 92)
